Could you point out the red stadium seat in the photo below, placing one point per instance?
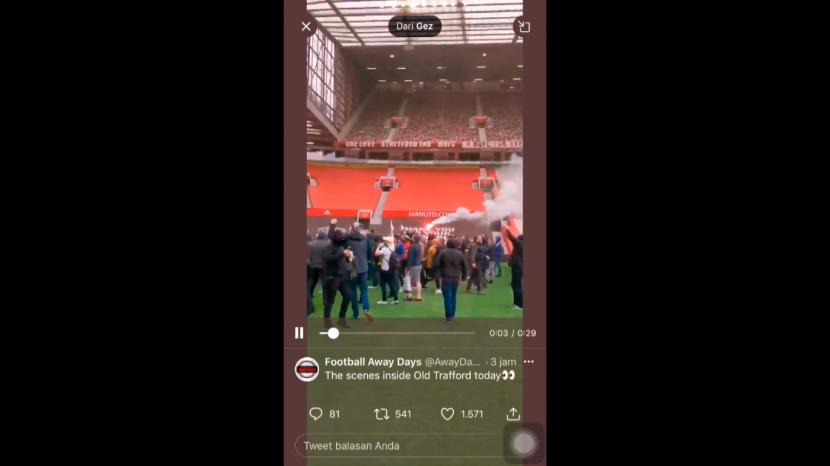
(387, 182)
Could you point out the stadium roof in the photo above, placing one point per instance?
(489, 62)
(365, 22)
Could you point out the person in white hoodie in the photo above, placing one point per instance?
(388, 273)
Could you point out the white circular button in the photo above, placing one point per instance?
(524, 443)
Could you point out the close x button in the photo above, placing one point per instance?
(415, 26)
(308, 25)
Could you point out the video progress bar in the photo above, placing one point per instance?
(402, 333)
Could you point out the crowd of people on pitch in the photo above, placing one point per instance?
(350, 262)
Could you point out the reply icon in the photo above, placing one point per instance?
(315, 413)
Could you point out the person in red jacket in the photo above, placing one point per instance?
(516, 266)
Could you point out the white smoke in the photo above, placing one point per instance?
(461, 214)
(507, 202)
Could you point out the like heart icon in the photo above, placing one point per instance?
(447, 413)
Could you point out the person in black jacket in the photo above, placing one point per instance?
(516, 263)
(449, 267)
(335, 276)
(485, 250)
(476, 258)
(373, 242)
(309, 304)
(358, 243)
(481, 260)
(316, 249)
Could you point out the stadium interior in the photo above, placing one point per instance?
(403, 130)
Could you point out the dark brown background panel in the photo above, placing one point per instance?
(536, 289)
(294, 170)
(293, 156)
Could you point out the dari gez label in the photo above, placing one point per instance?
(415, 26)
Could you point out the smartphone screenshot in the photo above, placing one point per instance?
(416, 239)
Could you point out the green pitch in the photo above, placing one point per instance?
(496, 302)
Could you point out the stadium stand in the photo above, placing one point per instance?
(435, 189)
(370, 125)
(344, 188)
(460, 108)
(444, 116)
(505, 111)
